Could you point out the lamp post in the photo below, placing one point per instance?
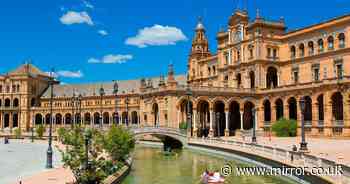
(127, 111)
(115, 92)
(303, 143)
(87, 136)
(254, 126)
(217, 117)
(32, 136)
(189, 116)
(80, 98)
(102, 93)
(73, 110)
(49, 152)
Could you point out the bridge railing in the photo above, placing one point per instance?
(159, 129)
(281, 154)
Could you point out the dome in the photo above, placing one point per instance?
(200, 25)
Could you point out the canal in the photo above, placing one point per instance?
(151, 166)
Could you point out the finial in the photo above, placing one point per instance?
(200, 23)
(258, 13)
(282, 19)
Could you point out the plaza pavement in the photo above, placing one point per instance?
(21, 159)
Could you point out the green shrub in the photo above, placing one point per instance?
(183, 125)
(40, 129)
(18, 133)
(285, 128)
(61, 132)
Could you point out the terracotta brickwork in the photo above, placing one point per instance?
(259, 65)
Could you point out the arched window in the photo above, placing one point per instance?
(301, 50)
(38, 119)
(320, 108)
(15, 102)
(58, 119)
(292, 52)
(311, 48)
(330, 42)
(279, 109)
(341, 38)
(252, 79)
(292, 106)
(320, 45)
(87, 118)
(308, 109)
(337, 106)
(134, 117)
(7, 102)
(209, 71)
(32, 102)
(239, 80)
(267, 111)
(271, 78)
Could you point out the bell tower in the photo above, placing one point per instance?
(199, 50)
(200, 45)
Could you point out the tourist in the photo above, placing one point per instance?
(205, 176)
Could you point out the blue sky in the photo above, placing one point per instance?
(102, 40)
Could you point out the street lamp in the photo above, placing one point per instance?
(102, 93)
(127, 111)
(80, 98)
(115, 92)
(189, 116)
(254, 126)
(87, 137)
(32, 130)
(49, 152)
(73, 109)
(303, 144)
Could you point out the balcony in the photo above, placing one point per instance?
(338, 123)
(320, 123)
(308, 123)
(267, 123)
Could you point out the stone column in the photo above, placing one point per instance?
(273, 113)
(241, 113)
(227, 132)
(93, 120)
(211, 131)
(314, 130)
(194, 123)
(286, 110)
(11, 120)
(346, 110)
(2, 120)
(328, 115)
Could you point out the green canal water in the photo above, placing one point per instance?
(152, 167)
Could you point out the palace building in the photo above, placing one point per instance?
(259, 67)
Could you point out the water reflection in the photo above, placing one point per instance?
(152, 167)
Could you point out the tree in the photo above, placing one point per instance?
(40, 129)
(99, 164)
(118, 142)
(285, 128)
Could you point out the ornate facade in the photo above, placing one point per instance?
(258, 65)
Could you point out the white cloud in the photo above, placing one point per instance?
(72, 17)
(102, 32)
(66, 74)
(70, 74)
(112, 59)
(156, 36)
(87, 4)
